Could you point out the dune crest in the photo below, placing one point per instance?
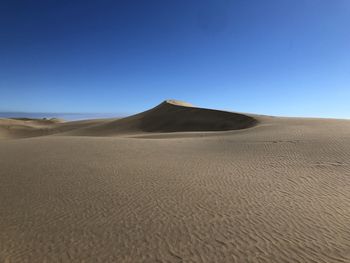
(171, 116)
(178, 103)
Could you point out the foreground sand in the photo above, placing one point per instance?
(277, 191)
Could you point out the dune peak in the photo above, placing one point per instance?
(169, 116)
(178, 103)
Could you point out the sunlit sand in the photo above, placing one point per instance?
(175, 184)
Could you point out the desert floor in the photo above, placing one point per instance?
(149, 189)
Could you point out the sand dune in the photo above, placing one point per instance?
(25, 127)
(253, 189)
(169, 116)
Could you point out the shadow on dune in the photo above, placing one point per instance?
(172, 116)
(169, 116)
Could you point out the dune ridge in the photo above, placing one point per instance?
(169, 116)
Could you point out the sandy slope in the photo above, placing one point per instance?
(278, 191)
(170, 116)
(24, 128)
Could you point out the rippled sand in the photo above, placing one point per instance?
(278, 191)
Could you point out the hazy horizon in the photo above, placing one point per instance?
(69, 116)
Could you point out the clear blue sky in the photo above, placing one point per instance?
(278, 57)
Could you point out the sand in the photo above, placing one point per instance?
(175, 184)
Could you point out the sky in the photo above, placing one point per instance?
(274, 57)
